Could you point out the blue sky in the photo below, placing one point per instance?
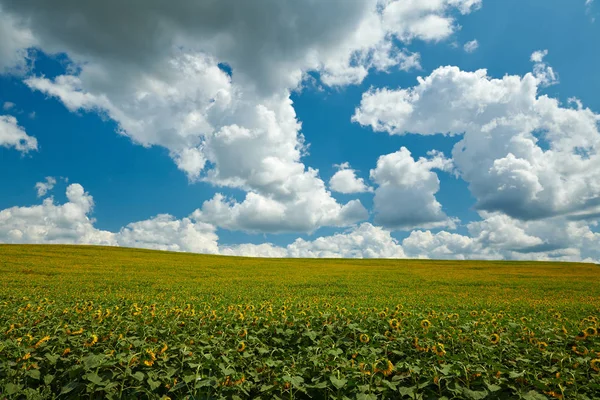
(466, 215)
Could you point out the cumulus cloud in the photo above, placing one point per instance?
(345, 181)
(157, 71)
(164, 232)
(43, 187)
(406, 188)
(362, 241)
(50, 223)
(12, 135)
(496, 236)
(523, 154)
(8, 105)
(15, 39)
(471, 46)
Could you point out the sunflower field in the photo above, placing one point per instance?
(97, 322)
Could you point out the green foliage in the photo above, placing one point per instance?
(99, 322)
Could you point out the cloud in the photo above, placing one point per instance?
(471, 46)
(50, 223)
(12, 135)
(164, 232)
(523, 154)
(496, 236)
(43, 187)
(362, 241)
(157, 71)
(15, 39)
(8, 105)
(405, 196)
(345, 181)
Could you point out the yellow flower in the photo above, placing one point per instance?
(591, 331)
(163, 349)
(149, 363)
(26, 356)
(581, 336)
(364, 338)
(542, 346)
(67, 351)
(425, 324)
(42, 340)
(243, 333)
(495, 338)
(92, 342)
(394, 323)
(241, 347)
(595, 364)
(439, 350)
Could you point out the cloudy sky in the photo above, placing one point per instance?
(465, 129)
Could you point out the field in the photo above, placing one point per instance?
(97, 322)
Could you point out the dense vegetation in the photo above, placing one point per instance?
(96, 322)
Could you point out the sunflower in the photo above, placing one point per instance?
(382, 314)
(364, 338)
(92, 342)
(394, 323)
(533, 341)
(595, 364)
(581, 336)
(42, 340)
(439, 349)
(495, 338)
(388, 370)
(241, 347)
(524, 319)
(425, 324)
(243, 332)
(542, 346)
(591, 331)
(577, 350)
(473, 313)
(67, 351)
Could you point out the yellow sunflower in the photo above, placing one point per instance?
(241, 347)
(425, 324)
(542, 346)
(595, 364)
(364, 338)
(591, 331)
(394, 323)
(495, 338)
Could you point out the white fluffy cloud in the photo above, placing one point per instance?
(524, 154)
(155, 70)
(405, 196)
(43, 187)
(346, 181)
(51, 223)
(362, 241)
(164, 232)
(471, 46)
(12, 135)
(496, 236)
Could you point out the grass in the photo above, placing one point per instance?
(302, 320)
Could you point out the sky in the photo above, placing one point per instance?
(445, 129)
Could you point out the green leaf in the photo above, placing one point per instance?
(52, 358)
(492, 388)
(474, 395)
(366, 396)
(94, 378)
(533, 395)
(11, 388)
(34, 373)
(266, 388)
(69, 387)
(513, 374)
(139, 376)
(338, 383)
(153, 384)
(48, 379)
(407, 391)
